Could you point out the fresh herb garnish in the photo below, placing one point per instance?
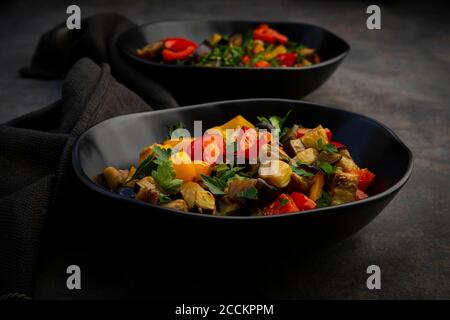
(324, 200)
(330, 148)
(178, 125)
(326, 167)
(164, 199)
(224, 174)
(283, 202)
(214, 184)
(146, 167)
(250, 193)
(277, 123)
(164, 176)
(301, 172)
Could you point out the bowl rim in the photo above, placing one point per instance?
(76, 163)
(122, 36)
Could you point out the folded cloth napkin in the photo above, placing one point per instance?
(35, 156)
(60, 48)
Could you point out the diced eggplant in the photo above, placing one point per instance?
(202, 50)
(265, 125)
(293, 146)
(151, 51)
(299, 184)
(291, 134)
(127, 192)
(276, 173)
(346, 162)
(232, 201)
(197, 197)
(114, 177)
(266, 193)
(147, 190)
(311, 137)
(307, 156)
(344, 188)
(275, 152)
(236, 40)
(178, 204)
(328, 157)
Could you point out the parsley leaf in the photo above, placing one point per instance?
(224, 174)
(164, 199)
(164, 176)
(301, 172)
(326, 167)
(178, 125)
(250, 193)
(330, 148)
(277, 122)
(214, 184)
(161, 154)
(283, 202)
(324, 200)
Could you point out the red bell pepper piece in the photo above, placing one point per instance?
(283, 204)
(178, 49)
(329, 134)
(286, 59)
(268, 35)
(360, 195)
(262, 64)
(302, 202)
(210, 148)
(245, 59)
(178, 44)
(301, 132)
(365, 178)
(337, 144)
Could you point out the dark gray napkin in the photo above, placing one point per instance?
(35, 157)
(60, 48)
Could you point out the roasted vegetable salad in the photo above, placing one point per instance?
(261, 47)
(241, 168)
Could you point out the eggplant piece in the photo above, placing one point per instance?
(293, 146)
(311, 137)
(236, 40)
(114, 177)
(178, 204)
(269, 150)
(299, 184)
(331, 158)
(266, 193)
(151, 51)
(127, 192)
(307, 156)
(231, 201)
(291, 134)
(346, 163)
(344, 186)
(147, 190)
(276, 173)
(197, 197)
(265, 125)
(202, 50)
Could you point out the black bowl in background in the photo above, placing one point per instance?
(118, 141)
(195, 84)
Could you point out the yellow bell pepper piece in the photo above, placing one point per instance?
(272, 54)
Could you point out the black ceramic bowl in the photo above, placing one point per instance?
(118, 141)
(194, 84)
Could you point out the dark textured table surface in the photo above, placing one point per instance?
(398, 75)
